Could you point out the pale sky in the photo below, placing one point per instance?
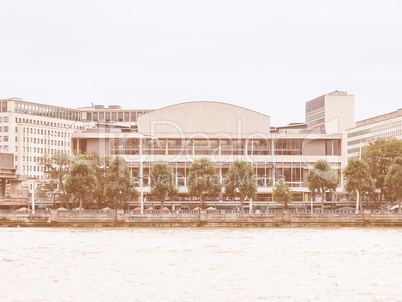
(269, 56)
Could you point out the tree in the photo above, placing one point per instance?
(379, 155)
(100, 163)
(119, 182)
(163, 181)
(241, 181)
(56, 168)
(358, 179)
(322, 178)
(282, 193)
(203, 181)
(81, 181)
(393, 180)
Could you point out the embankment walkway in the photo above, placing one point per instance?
(203, 218)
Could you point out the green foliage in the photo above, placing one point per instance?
(81, 181)
(241, 181)
(393, 180)
(379, 155)
(163, 181)
(358, 178)
(100, 163)
(119, 183)
(322, 178)
(282, 193)
(56, 168)
(203, 180)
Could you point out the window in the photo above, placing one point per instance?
(5, 138)
(6, 119)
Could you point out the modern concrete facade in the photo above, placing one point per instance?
(29, 130)
(184, 132)
(180, 133)
(386, 125)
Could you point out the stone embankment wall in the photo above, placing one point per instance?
(203, 219)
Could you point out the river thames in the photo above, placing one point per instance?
(196, 264)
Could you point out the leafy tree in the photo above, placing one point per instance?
(100, 163)
(393, 180)
(163, 181)
(379, 155)
(241, 181)
(282, 193)
(81, 181)
(322, 178)
(358, 178)
(56, 168)
(203, 181)
(119, 182)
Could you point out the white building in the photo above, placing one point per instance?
(386, 125)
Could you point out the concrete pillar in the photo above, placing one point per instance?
(54, 216)
(286, 215)
(15, 188)
(120, 215)
(203, 215)
(2, 188)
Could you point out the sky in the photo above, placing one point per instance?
(268, 56)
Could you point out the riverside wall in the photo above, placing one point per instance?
(202, 219)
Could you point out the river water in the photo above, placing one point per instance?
(196, 264)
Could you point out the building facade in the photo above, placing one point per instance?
(386, 125)
(179, 134)
(223, 133)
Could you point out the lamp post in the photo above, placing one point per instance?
(33, 194)
(141, 169)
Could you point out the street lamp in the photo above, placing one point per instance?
(141, 169)
(33, 193)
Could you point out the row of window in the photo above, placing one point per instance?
(376, 129)
(4, 118)
(131, 146)
(51, 142)
(119, 116)
(45, 132)
(3, 138)
(395, 133)
(46, 123)
(3, 128)
(47, 111)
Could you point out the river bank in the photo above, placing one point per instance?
(202, 218)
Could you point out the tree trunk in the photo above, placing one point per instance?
(80, 202)
(202, 201)
(399, 210)
(360, 203)
(242, 203)
(163, 201)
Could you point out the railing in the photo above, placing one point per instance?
(244, 211)
(87, 212)
(297, 211)
(12, 211)
(384, 211)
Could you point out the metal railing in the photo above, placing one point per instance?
(384, 211)
(87, 212)
(278, 211)
(299, 211)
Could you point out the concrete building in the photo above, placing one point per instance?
(386, 125)
(333, 112)
(180, 133)
(29, 130)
